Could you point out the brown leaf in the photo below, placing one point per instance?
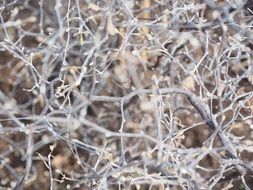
(111, 29)
(93, 6)
(189, 83)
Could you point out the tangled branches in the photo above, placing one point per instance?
(129, 94)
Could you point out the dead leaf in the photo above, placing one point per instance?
(59, 161)
(189, 83)
(93, 6)
(111, 29)
(146, 106)
(237, 125)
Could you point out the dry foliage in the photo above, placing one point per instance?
(126, 94)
